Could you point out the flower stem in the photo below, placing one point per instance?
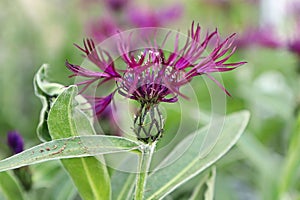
(143, 168)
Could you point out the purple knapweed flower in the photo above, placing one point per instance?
(15, 142)
(152, 75)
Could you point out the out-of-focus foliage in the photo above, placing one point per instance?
(264, 164)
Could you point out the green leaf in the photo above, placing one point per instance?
(79, 146)
(209, 193)
(52, 182)
(292, 162)
(88, 174)
(198, 190)
(47, 92)
(209, 180)
(60, 188)
(193, 161)
(10, 187)
(122, 185)
(265, 162)
(123, 178)
(67, 119)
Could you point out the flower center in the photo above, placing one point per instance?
(148, 85)
(151, 81)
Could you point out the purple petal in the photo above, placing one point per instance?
(100, 103)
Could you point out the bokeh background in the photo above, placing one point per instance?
(263, 165)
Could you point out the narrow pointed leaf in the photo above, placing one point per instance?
(79, 146)
(192, 162)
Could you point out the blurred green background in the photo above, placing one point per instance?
(266, 160)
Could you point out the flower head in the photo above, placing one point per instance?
(15, 142)
(152, 75)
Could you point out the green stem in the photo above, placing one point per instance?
(143, 169)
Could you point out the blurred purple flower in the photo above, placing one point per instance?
(151, 75)
(103, 28)
(142, 17)
(15, 142)
(293, 7)
(293, 44)
(263, 37)
(228, 3)
(130, 17)
(116, 5)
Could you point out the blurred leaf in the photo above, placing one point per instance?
(47, 92)
(24, 175)
(44, 173)
(198, 192)
(209, 193)
(122, 185)
(52, 182)
(266, 163)
(292, 162)
(261, 157)
(123, 177)
(60, 188)
(192, 162)
(10, 187)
